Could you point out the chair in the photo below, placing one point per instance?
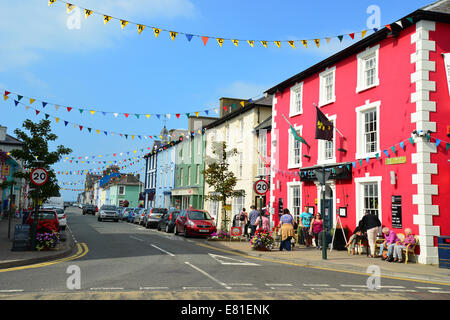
(410, 249)
(378, 244)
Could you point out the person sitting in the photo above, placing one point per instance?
(357, 236)
(400, 245)
(390, 239)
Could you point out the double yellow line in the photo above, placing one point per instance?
(82, 250)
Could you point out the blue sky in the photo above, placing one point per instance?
(103, 67)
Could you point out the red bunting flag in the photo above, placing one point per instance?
(126, 115)
(178, 116)
(37, 112)
(81, 128)
(389, 27)
(352, 35)
(7, 92)
(205, 40)
(68, 109)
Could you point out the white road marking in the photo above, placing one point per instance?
(428, 288)
(10, 291)
(240, 284)
(170, 254)
(402, 290)
(236, 262)
(136, 239)
(359, 289)
(105, 289)
(153, 288)
(208, 275)
(353, 286)
(324, 289)
(196, 288)
(436, 291)
(316, 285)
(392, 287)
(278, 284)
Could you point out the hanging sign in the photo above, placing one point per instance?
(5, 170)
(396, 212)
(447, 69)
(396, 160)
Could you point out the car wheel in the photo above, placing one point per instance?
(147, 225)
(167, 228)
(175, 231)
(185, 233)
(159, 227)
(99, 219)
(117, 220)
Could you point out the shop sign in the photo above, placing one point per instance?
(6, 170)
(396, 160)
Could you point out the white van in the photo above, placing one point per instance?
(56, 202)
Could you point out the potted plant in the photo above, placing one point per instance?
(262, 241)
(46, 240)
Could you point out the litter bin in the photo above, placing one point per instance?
(444, 252)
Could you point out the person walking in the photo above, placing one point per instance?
(305, 220)
(316, 228)
(265, 224)
(287, 230)
(243, 220)
(370, 224)
(252, 217)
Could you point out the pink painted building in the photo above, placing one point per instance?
(385, 94)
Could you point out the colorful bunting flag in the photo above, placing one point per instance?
(235, 42)
(173, 35)
(87, 13)
(106, 19)
(157, 32)
(205, 40)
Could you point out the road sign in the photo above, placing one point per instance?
(261, 187)
(39, 176)
(235, 231)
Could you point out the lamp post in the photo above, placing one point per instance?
(36, 215)
(322, 176)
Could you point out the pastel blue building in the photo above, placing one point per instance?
(165, 176)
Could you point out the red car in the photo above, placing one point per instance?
(47, 220)
(194, 222)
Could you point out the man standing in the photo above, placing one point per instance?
(370, 224)
(306, 224)
(254, 214)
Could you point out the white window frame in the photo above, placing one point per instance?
(293, 100)
(238, 204)
(241, 129)
(359, 196)
(189, 175)
(262, 148)
(360, 141)
(361, 59)
(241, 164)
(323, 100)
(121, 193)
(198, 173)
(291, 163)
(290, 197)
(321, 145)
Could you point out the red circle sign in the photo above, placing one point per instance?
(236, 231)
(39, 176)
(261, 187)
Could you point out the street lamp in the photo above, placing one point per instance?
(36, 208)
(322, 176)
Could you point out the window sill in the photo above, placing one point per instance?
(294, 166)
(362, 89)
(291, 115)
(324, 103)
(325, 162)
(370, 155)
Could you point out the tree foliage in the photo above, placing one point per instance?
(35, 148)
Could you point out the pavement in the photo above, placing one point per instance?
(339, 261)
(9, 259)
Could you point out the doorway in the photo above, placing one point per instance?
(326, 208)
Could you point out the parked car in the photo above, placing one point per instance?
(90, 209)
(167, 222)
(125, 213)
(131, 214)
(47, 220)
(108, 212)
(153, 216)
(139, 216)
(60, 213)
(194, 222)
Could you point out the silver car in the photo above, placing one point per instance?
(153, 216)
(139, 215)
(108, 212)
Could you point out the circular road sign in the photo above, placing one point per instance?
(236, 231)
(261, 187)
(39, 176)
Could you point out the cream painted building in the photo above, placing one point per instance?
(236, 128)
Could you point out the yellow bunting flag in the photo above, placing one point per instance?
(236, 42)
(57, 120)
(242, 103)
(173, 35)
(132, 137)
(292, 43)
(278, 43)
(70, 7)
(92, 112)
(50, 2)
(87, 13)
(106, 19)
(157, 32)
(363, 33)
(220, 41)
(196, 114)
(123, 23)
(251, 43)
(140, 28)
(98, 131)
(317, 41)
(148, 116)
(5, 97)
(264, 43)
(305, 43)
(32, 100)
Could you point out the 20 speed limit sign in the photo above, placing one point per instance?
(261, 187)
(39, 176)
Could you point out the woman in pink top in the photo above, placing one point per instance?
(265, 222)
(316, 228)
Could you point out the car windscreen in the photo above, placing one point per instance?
(108, 208)
(199, 215)
(44, 215)
(59, 211)
(159, 210)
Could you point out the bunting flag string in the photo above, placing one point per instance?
(92, 111)
(220, 40)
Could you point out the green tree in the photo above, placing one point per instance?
(35, 148)
(220, 178)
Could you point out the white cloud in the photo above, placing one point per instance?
(34, 31)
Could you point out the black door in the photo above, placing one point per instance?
(327, 213)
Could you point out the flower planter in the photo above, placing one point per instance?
(262, 249)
